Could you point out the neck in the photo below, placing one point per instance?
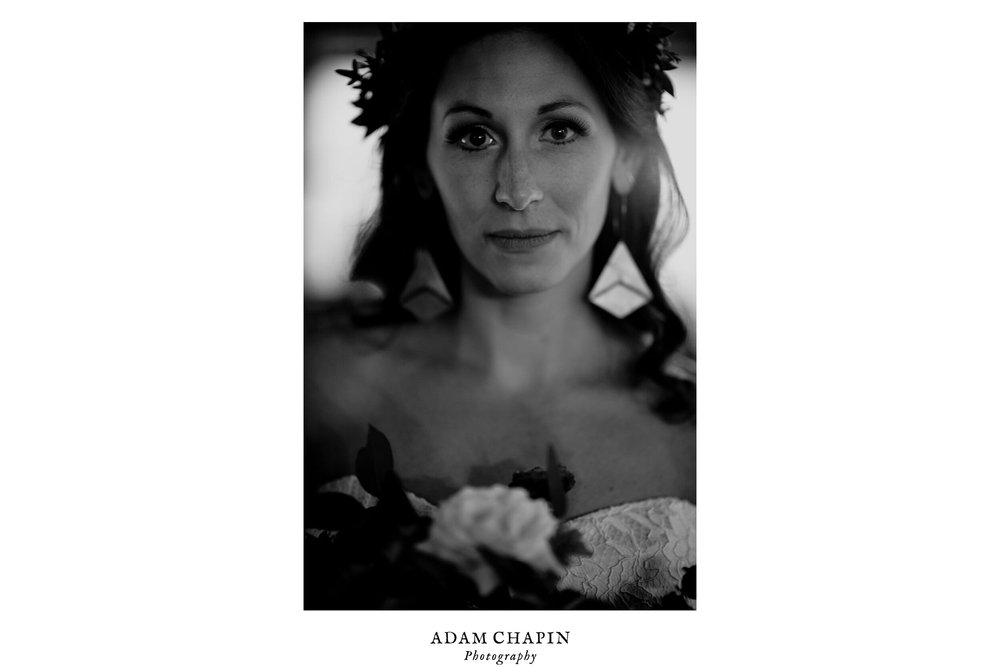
(533, 340)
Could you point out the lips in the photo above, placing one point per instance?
(521, 239)
(521, 233)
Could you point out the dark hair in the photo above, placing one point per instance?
(656, 216)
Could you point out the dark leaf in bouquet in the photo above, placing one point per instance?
(352, 545)
(498, 598)
(438, 584)
(688, 583)
(373, 462)
(520, 578)
(361, 586)
(439, 572)
(568, 542)
(332, 511)
(367, 539)
(557, 494)
(393, 502)
(674, 602)
(335, 579)
(570, 599)
(536, 481)
(403, 537)
(318, 575)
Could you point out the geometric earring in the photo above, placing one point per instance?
(425, 295)
(620, 289)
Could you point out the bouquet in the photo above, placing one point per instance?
(499, 547)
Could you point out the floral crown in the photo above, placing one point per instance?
(382, 79)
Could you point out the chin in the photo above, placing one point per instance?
(517, 283)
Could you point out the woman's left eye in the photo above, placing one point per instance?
(561, 132)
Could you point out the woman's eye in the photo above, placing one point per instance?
(476, 139)
(560, 133)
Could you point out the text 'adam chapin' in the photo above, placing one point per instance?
(501, 637)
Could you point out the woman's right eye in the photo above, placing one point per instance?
(475, 138)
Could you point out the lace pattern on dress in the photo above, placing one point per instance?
(351, 485)
(640, 552)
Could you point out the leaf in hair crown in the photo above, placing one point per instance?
(382, 79)
(648, 44)
(380, 88)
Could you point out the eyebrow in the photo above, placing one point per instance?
(465, 107)
(561, 104)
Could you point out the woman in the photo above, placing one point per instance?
(516, 245)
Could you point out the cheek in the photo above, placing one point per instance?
(582, 187)
(465, 187)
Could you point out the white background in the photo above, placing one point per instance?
(150, 367)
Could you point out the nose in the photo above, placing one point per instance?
(516, 186)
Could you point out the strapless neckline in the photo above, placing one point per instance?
(351, 485)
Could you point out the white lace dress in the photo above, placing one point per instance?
(640, 548)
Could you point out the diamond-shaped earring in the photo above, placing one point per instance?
(620, 289)
(425, 295)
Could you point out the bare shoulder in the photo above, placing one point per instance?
(650, 457)
(342, 372)
(356, 376)
(361, 357)
(344, 351)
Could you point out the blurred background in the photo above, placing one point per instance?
(342, 166)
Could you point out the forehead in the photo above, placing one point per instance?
(513, 71)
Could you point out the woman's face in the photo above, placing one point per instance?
(521, 152)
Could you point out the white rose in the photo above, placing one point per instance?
(504, 520)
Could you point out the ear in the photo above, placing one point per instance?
(624, 169)
(424, 183)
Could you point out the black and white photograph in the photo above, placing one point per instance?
(500, 402)
(330, 340)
